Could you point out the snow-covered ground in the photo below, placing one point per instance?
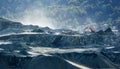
(4, 42)
(35, 51)
(77, 65)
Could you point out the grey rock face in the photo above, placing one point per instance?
(69, 51)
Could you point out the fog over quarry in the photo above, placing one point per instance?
(70, 14)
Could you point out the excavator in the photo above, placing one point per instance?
(91, 30)
(101, 32)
